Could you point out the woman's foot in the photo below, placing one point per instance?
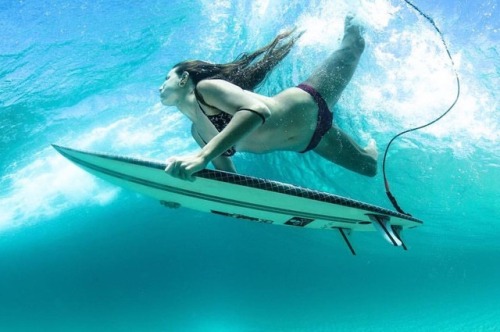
(371, 149)
(353, 33)
(351, 25)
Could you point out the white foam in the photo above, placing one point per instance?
(260, 7)
(413, 83)
(324, 25)
(139, 133)
(46, 187)
(51, 184)
(217, 13)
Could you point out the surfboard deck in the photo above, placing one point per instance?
(240, 196)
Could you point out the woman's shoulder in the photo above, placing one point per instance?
(215, 84)
(216, 88)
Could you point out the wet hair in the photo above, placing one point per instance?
(248, 70)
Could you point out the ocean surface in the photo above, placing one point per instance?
(79, 254)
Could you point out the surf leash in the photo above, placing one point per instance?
(386, 182)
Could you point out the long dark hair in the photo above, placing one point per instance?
(248, 70)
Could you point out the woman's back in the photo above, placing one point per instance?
(290, 126)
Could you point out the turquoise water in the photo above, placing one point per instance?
(77, 254)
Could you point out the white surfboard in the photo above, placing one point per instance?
(245, 197)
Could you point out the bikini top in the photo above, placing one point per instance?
(219, 120)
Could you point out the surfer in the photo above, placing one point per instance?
(228, 117)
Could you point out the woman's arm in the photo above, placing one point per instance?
(222, 163)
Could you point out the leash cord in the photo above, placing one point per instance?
(386, 182)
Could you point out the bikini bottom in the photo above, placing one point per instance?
(325, 117)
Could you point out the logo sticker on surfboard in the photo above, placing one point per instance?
(241, 216)
(298, 221)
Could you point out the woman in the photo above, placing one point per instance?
(228, 117)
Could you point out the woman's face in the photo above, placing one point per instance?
(170, 89)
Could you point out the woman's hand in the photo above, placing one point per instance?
(184, 167)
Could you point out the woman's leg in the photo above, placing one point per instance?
(336, 146)
(330, 80)
(333, 75)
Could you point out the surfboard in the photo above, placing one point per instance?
(245, 197)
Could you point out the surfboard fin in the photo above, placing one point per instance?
(383, 226)
(346, 239)
(397, 231)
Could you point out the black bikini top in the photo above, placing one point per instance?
(219, 120)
